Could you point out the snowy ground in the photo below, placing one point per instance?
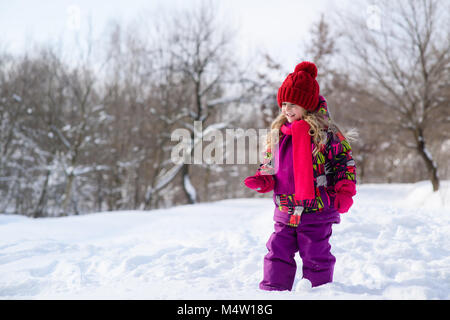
(393, 244)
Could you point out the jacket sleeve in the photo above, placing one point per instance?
(343, 165)
(263, 180)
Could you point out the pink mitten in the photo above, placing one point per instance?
(345, 190)
(260, 183)
(343, 202)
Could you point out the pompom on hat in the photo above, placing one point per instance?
(301, 87)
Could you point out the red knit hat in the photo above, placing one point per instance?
(301, 87)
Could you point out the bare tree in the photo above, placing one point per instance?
(321, 49)
(196, 63)
(403, 62)
(30, 151)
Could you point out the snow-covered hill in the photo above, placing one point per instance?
(393, 244)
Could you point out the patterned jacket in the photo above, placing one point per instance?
(332, 164)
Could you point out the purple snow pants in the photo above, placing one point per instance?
(311, 239)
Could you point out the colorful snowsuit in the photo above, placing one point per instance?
(305, 226)
(333, 165)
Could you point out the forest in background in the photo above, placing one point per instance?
(90, 130)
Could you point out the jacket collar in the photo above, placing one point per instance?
(287, 128)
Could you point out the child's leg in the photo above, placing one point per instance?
(279, 263)
(314, 248)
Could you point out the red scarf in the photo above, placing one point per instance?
(302, 159)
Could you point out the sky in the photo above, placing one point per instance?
(276, 26)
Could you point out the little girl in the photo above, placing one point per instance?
(309, 166)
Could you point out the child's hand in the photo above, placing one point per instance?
(343, 202)
(260, 183)
(345, 190)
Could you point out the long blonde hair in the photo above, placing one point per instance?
(319, 127)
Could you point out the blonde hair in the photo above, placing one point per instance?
(319, 127)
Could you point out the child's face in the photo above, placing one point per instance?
(292, 112)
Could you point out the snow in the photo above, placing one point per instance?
(17, 97)
(430, 157)
(393, 244)
(166, 177)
